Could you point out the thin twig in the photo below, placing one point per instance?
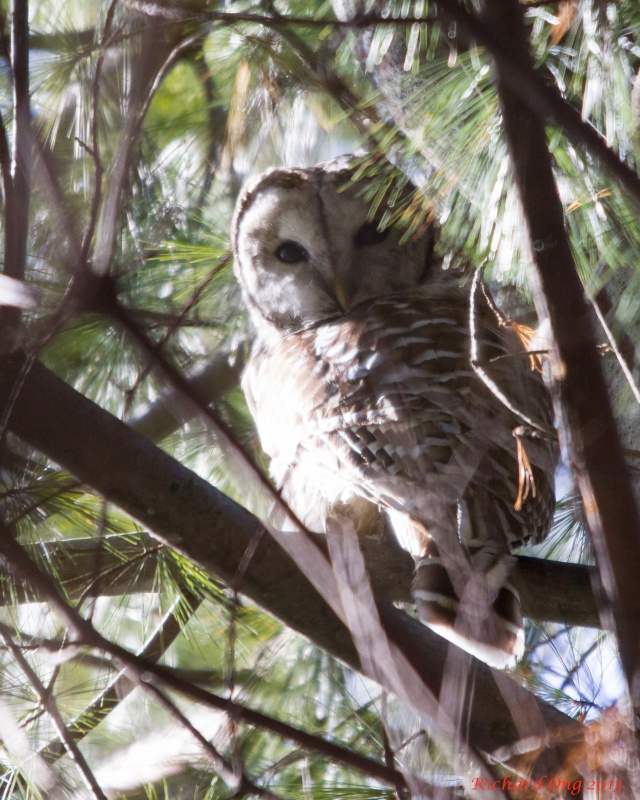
(16, 167)
(479, 370)
(388, 666)
(236, 780)
(95, 136)
(622, 361)
(175, 323)
(48, 702)
(143, 671)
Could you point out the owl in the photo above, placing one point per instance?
(387, 394)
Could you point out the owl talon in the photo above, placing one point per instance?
(526, 480)
(488, 623)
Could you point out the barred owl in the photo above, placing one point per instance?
(365, 397)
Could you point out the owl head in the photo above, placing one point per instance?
(306, 248)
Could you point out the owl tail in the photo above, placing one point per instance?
(487, 622)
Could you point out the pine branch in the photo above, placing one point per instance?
(49, 704)
(147, 483)
(550, 591)
(145, 673)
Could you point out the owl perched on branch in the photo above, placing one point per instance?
(378, 384)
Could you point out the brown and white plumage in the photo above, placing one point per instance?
(362, 388)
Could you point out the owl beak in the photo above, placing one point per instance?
(342, 292)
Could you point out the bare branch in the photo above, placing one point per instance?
(21, 163)
(95, 136)
(595, 446)
(160, 493)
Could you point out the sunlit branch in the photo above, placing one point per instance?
(593, 439)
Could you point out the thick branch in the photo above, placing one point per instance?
(197, 520)
(551, 591)
(595, 446)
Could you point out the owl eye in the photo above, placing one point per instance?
(291, 253)
(369, 234)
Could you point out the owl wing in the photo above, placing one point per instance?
(384, 404)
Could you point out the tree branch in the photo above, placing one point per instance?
(146, 673)
(550, 591)
(21, 166)
(595, 447)
(17, 184)
(209, 528)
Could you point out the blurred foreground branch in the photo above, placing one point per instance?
(196, 519)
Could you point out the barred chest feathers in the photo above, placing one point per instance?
(362, 389)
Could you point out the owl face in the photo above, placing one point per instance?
(306, 250)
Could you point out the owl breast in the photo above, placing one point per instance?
(383, 403)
